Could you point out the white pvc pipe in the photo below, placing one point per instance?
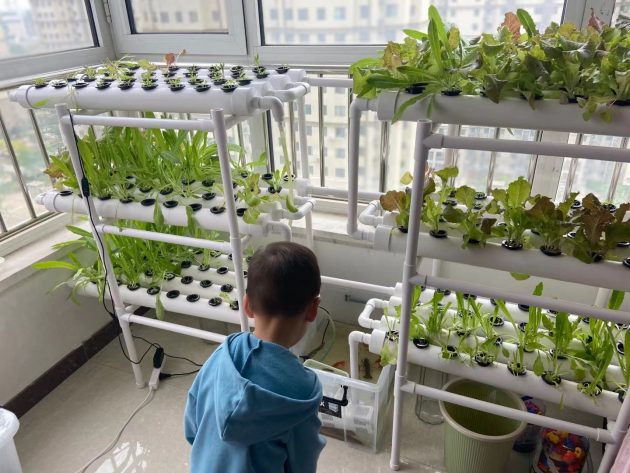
(601, 435)
(270, 103)
(420, 158)
(157, 123)
(361, 286)
(329, 82)
(364, 317)
(220, 137)
(342, 193)
(201, 308)
(601, 153)
(177, 328)
(293, 92)
(610, 274)
(510, 113)
(605, 405)
(354, 338)
(357, 107)
(114, 209)
(303, 210)
(369, 215)
(163, 237)
(527, 299)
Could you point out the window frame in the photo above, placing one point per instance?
(232, 43)
(576, 11)
(18, 68)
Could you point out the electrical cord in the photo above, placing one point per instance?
(158, 360)
(329, 323)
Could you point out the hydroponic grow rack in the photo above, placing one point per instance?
(478, 111)
(227, 110)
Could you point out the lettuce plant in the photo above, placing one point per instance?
(510, 203)
(434, 208)
(551, 221)
(598, 230)
(475, 228)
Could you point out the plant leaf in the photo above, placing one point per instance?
(520, 276)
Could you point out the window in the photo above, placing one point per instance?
(340, 153)
(197, 20)
(273, 13)
(388, 19)
(340, 13)
(391, 10)
(321, 38)
(340, 111)
(307, 109)
(303, 14)
(340, 173)
(340, 90)
(304, 38)
(288, 14)
(340, 132)
(25, 33)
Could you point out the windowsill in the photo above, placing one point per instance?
(18, 265)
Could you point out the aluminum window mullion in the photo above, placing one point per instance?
(533, 160)
(320, 119)
(3, 226)
(616, 175)
(292, 143)
(572, 170)
(384, 155)
(16, 167)
(492, 164)
(38, 137)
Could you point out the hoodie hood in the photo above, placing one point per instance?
(251, 406)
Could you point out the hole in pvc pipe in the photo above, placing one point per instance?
(172, 294)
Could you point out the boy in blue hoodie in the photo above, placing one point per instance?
(253, 406)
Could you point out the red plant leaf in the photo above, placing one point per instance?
(512, 23)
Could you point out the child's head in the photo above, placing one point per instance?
(283, 284)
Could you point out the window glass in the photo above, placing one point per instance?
(29, 27)
(622, 7)
(377, 21)
(192, 16)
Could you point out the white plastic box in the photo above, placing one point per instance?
(362, 420)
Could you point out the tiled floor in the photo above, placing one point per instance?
(81, 416)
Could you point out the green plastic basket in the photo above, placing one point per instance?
(475, 441)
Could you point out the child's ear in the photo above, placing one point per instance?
(248, 307)
(311, 313)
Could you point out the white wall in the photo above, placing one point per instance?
(37, 329)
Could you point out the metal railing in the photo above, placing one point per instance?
(321, 121)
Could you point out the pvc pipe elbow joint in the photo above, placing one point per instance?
(364, 317)
(272, 103)
(369, 217)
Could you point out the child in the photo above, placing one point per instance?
(253, 406)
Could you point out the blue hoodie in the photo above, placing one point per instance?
(253, 408)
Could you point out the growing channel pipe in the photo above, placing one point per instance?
(114, 209)
(201, 308)
(608, 274)
(361, 286)
(342, 193)
(69, 138)
(537, 301)
(509, 113)
(605, 405)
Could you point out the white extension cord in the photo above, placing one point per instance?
(158, 362)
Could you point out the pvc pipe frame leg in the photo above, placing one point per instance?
(421, 153)
(132, 352)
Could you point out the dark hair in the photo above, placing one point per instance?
(282, 279)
